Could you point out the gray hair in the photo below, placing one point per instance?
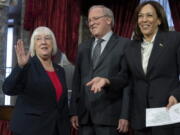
(42, 30)
(107, 11)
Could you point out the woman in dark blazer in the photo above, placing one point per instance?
(42, 105)
(152, 62)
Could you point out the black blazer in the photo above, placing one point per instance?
(161, 80)
(106, 107)
(37, 111)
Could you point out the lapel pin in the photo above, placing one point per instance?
(161, 45)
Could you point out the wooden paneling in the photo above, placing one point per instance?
(6, 112)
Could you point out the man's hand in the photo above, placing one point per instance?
(75, 122)
(123, 126)
(97, 84)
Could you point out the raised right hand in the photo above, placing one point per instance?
(22, 57)
(75, 122)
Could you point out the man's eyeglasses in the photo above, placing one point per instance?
(94, 19)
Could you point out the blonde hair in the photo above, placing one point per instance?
(42, 30)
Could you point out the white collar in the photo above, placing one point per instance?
(152, 40)
(106, 37)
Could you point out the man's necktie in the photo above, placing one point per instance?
(97, 52)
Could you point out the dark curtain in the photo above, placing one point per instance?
(4, 128)
(62, 16)
(175, 13)
(123, 14)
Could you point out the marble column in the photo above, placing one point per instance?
(3, 41)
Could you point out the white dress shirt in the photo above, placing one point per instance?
(146, 49)
(104, 43)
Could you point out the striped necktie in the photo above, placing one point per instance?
(97, 52)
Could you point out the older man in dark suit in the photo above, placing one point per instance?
(103, 113)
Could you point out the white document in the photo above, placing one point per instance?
(162, 116)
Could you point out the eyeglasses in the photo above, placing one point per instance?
(45, 38)
(94, 19)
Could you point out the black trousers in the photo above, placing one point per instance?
(93, 129)
(56, 131)
(98, 130)
(15, 133)
(160, 130)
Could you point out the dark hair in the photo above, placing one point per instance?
(160, 13)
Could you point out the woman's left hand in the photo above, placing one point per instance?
(172, 101)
